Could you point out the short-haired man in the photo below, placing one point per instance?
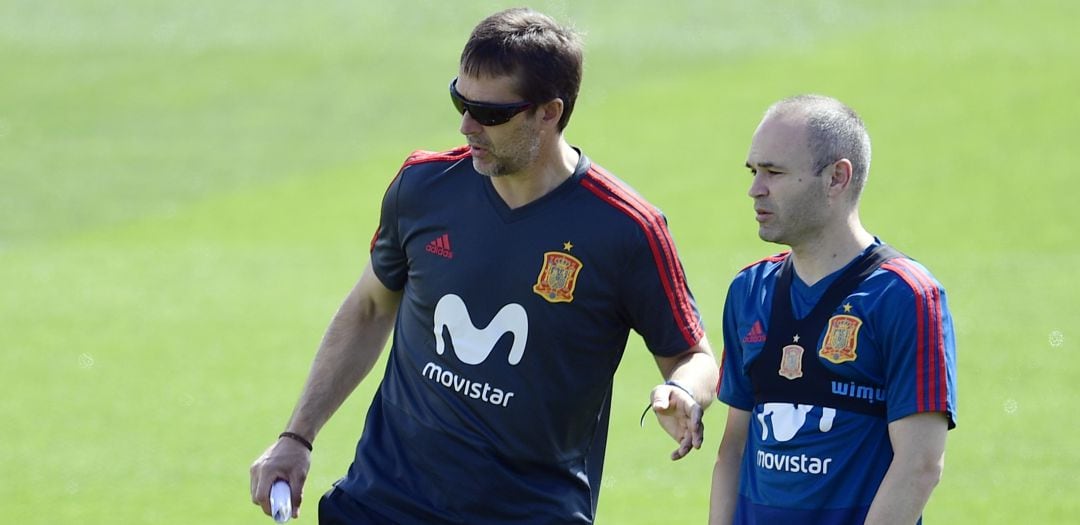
(839, 365)
(511, 271)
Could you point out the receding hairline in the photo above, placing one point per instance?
(806, 104)
(832, 130)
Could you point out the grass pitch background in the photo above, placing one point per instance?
(187, 191)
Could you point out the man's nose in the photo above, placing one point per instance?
(469, 125)
(757, 186)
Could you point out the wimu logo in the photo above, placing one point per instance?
(473, 345)
(866, 393)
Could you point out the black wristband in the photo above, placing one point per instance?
(297, 437)
(669, 382)
(680, 386)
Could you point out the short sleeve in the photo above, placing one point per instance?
(919, 345)
(735, 389)
(655, 293)
(388, 259)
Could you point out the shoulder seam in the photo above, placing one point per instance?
(930, 379)
(771, 258)
(423, 156)
(649, 219)
(418, 157)
(920, 281)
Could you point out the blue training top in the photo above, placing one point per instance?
(495, 399)
(886, 351)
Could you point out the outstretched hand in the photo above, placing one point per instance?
(680, 416)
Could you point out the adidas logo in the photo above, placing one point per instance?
(755, 335)
(441, 246)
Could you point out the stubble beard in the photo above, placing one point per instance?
(520, 150)
(804, 219)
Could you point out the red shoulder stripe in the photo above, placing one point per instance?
(930, 343)
(610, 190)
(772, 258)
(420, 157)
(667, 248)
(935, 338)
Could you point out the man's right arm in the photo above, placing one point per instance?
(349, 350)
(352, 344)
(725, 481)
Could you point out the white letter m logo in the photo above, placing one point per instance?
(472, 345)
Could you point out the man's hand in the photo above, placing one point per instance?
(286, 459)
(680, 416)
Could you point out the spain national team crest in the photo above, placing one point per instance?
(791, 362)
(841, 339)
(558, 277)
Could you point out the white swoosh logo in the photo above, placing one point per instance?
(472, 345)
(787, 419)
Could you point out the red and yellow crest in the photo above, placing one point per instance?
(558, 277)
(841, 339)
(791, 362)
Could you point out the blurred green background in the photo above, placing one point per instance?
(187, 190)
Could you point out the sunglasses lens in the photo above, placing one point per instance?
(491, 116)
(485, 114)
(459, 105)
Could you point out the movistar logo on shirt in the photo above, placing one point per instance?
(801, 463)
(473, 345)
(780, 423)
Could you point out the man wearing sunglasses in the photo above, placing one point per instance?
(510, 271)
(839, 365)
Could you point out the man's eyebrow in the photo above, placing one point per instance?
(765, 164)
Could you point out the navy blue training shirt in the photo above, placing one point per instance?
(494, 403)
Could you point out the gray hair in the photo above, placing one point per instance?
(833, 132)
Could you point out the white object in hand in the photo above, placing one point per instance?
(280, 501)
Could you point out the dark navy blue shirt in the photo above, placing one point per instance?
(494, 403)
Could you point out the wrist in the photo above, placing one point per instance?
(681, 386)
(297, 438)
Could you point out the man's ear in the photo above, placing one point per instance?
(839, 177)
(552, 110)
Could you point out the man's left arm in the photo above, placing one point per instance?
(918, 443)
(689, 388)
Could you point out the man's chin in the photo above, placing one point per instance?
(769, 236)
(488, 169)
(482, 167)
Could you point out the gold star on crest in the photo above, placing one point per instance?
(567, 245)
(847, 308)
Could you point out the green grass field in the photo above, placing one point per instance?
(187, 191)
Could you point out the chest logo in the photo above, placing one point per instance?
(787, 419)
(472, 345)
(791, 362)
(558, 277)
(841, 339)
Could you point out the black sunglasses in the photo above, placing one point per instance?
(484, 113)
